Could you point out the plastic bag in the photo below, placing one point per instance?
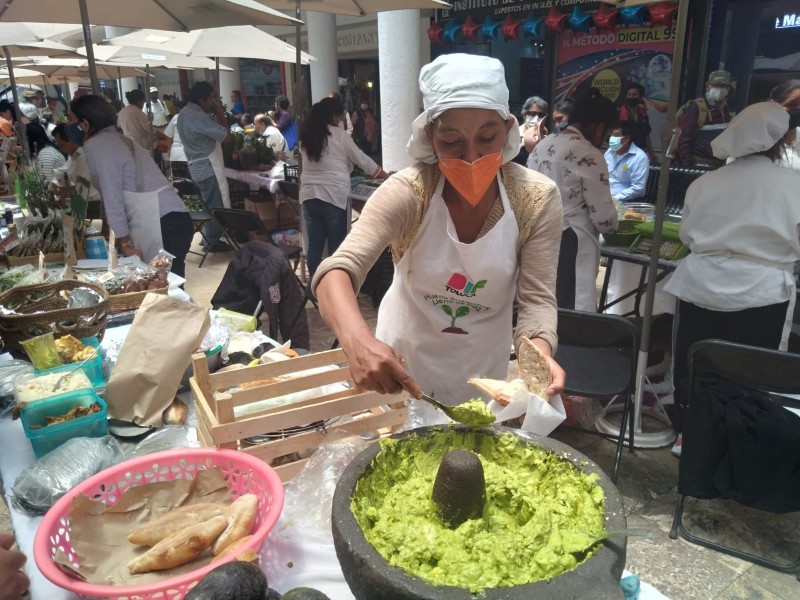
(309, 494)
(12, 277)
(169, 437)
(9, 371)
(39, 486)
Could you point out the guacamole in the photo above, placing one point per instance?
(539, 510)
(474, 413)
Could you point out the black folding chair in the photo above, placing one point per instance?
(761, 369)
(187, 189)
(598, 353)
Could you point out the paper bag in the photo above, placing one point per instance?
(541, 417)
(153, 358)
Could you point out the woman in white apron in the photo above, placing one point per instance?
(141, 208)
(741, 224)
(572, 159)
(469, 231)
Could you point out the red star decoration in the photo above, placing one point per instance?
(510, 28)
(663, 14)
(555, 20)
(436, 33)
(605, 19)
(470, 29)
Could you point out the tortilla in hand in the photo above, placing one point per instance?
(534, 369)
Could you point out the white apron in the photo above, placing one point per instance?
(218, 164)
(587, 262)
(142, 211)
(448, 310)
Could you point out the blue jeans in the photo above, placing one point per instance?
(212, 198)
(324, 223)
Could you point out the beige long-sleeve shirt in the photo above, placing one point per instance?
(395, 212)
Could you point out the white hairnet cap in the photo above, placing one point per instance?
(29, 111)
(757, 128)
(460, 81)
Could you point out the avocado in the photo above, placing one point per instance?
(235, 580)
(304, 593)
(273, 594)
(459, 490)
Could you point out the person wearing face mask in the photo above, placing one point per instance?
(787, 94)
(740, 223)
(634, 112)
(328, 155)
(344, 119)
(533, 129)
(573, 160)
(76, 162)
(470, 231)
(628, 165)
(701, 120)
(365, 128)
(561, 113)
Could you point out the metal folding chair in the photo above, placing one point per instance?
(187, 188)
(750, 367)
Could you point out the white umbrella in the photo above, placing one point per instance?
(356, 8)
(132, 55)
(173, 15)
(32, 34)
(243, 41)
(78, 69)
(6, 76)
(28, 53)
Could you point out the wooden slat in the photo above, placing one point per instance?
(308, 401)
(312, 439)
(282, 388)
(201, 375)
(289, 470)
(202, 409)
(290, 417)
(225, 415)
(222, 381)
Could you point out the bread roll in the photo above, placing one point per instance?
(173, 521)
(534, 369)
(498, 390)
(241, 516)
(235, 548)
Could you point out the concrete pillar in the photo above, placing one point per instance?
(322, 45)
(229, 80)
(128, 83)
(399, 59)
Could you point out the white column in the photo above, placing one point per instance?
(399, 59)
(128, 83)
(322, 45)
(229, 80)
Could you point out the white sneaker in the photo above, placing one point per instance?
(676, 449)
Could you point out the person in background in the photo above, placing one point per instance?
(469, 230)
(628, 165)
(111, 97)
(29, 108)
(344, 119)
(13, 581)
(167, 99)
(48, 157)
(283, 119)
(787, 94)
(246, 122)
(534, 123)
(179, 166)
(133, 122)
(634, 112)
(237, 106)
(201, 136)
(76, 161)
(264, 127)
(113, 162)
(328, 156)
(52, 105)
(365, 128)
(741, 224)
(48, 124)
(6, 118)
(573, 160)
(561, 113)
(703, 119)
(157, 111)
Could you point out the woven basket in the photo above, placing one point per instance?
(130, 301)
(41, 309)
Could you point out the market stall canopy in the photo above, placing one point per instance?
(27, 53)
(243, 41)
(78, 69)
(19, 73)
(132, 55)
(173, 15)
(356, 8)
(33, 34)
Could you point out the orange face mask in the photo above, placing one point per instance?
(471, 180)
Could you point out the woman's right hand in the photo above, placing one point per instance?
(131, 251)
(376, 366)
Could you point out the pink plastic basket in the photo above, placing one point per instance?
(243, 473)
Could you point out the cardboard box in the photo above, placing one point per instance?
(286, 216)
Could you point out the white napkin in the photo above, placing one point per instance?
(541, 417)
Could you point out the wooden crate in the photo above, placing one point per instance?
(218, 426)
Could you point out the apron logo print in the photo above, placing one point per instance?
(461, 286)
(461, 311)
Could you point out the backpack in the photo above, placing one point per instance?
(290, 135)
(701, 104)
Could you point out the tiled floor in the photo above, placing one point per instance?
(678, 569)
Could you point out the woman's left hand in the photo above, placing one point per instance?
(131, 251)
(557, 374)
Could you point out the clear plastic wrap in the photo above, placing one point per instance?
(13, 276)
(166, 438)
(309, 494)
(39, 486)
(9, 371)
(216, 336)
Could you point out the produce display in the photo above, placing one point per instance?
(76, 411)
(125, 279)
(539, 516)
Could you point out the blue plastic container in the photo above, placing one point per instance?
(93, 368)
(50, 437)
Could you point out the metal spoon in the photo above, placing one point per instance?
(450, 411)
(63, 378)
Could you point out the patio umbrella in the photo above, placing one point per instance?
(243, 41)
(28, 53)
(74, 69)
(173, 15)
(357, 8)
(143, 56)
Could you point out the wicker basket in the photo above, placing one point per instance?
(131, 300)
(41, 309)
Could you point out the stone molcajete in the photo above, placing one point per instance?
(408, 513)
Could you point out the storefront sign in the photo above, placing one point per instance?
(787, 22)
(480, 9)
(357, 39)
